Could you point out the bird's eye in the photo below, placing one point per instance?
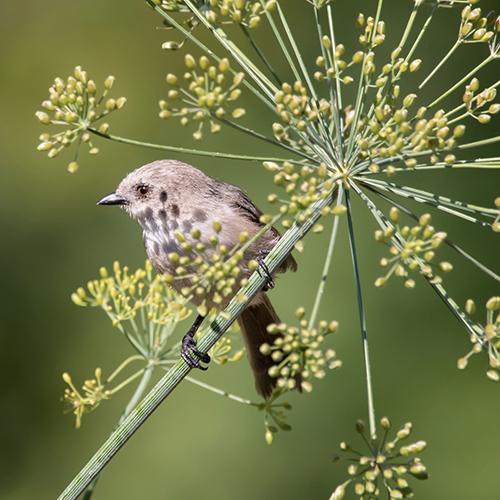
(142, 189)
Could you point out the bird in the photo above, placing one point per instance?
(168, 198)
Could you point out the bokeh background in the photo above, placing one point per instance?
(54, 239)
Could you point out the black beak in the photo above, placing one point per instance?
(112, 199)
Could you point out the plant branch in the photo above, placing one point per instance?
(362, 319)
(195, 152)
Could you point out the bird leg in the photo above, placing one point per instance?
(189, 348)
(263, 270)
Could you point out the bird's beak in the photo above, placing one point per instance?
(112, 199)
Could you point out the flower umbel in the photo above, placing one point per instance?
(94, 393)
(299, 352)
(385, 467)
(205, 97)
(74, 104)
(412, 248)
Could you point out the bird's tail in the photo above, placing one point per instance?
(253, 322)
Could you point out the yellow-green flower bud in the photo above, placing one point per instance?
(224, 65)
(189, 61)
(493, 304)
(358, 57)
(270, 5)
(238, 113)
(109, 82)
(415, 65)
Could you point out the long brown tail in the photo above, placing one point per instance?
(253, 322)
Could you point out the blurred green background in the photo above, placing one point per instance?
(54, 239)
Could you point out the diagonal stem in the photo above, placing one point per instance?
(362, 318)
(260, 54)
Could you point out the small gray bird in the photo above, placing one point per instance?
(168, 195)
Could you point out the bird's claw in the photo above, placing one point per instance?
(189, 351)
(263, 270)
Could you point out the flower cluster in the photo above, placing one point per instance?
(94, 393)
(385, 466)
(474, 26)
(146, 310)
(245, 12)
(475, 104)
(303, 187)
(209, 272)
(299, 353)
(74, 104)
(207, 95)
(486, 338)
(412, 248)
(142, 294)
(294, 107)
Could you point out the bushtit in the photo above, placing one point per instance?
(168, 195)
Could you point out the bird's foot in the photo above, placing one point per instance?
(263, 270)
(189, 352)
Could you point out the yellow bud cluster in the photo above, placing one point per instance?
(206, 94)
(299, 352)
(94, 393)
(474, 26)
(246, 12)
(411, 249)
(303, 187)
(476, 104)
(73, 103)
(383, 464)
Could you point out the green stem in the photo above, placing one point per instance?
(337, 110)
(123, 365)
(252, 133)
(463, 80)
(326, 136)
(134, 400)
(369, 388)
(445, 58)
(196, 152)
(221, 392)
(409, 25)
(328, 261)
(423, 29)
(127, 381)
(260, 54)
